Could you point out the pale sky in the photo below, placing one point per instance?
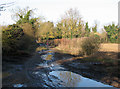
(104, 12)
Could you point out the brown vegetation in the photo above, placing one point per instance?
(109, 47)
(73, 46)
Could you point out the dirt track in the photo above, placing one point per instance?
(99, 72)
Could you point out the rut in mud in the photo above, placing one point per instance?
(45, 69)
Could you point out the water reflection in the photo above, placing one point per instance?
(50, 51)
(19, 85)
(48, 56)
(74, 80)
(69, 78)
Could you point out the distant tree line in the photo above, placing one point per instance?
(22, 36)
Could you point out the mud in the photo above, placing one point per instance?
(44, 70)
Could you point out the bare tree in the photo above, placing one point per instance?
(72, 23)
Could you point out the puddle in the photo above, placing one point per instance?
(42, 65)
(52, 66)
(50, 51)
(19, 85)
(48, 55)
(74, 80)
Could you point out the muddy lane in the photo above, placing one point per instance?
(53, 74)
(43, 71)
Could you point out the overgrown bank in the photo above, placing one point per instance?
(18, 40)
(101, 66)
